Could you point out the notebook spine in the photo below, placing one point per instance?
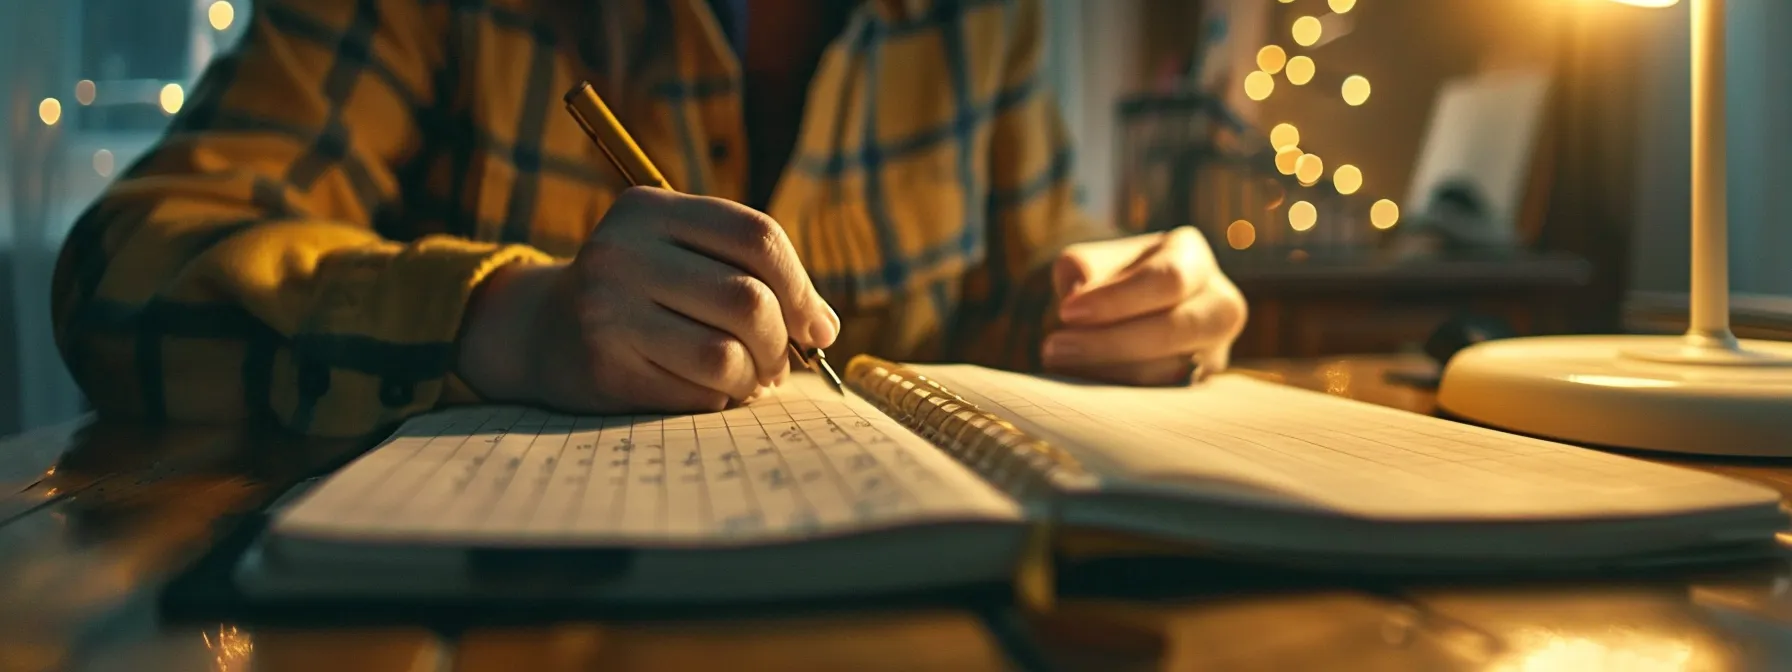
(1005, 455)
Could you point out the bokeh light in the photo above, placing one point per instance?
(1307, 31)
(85, 91)
(1384, 214)
(221, 14)
(1258, 85)
(1283, 136)
(1241, 235)
(1309, 168)
(172, 98)
(1299, 70)
(1348, 179)
(50, 111)
(1302, 216)
(1271, 58)
(1356, 90)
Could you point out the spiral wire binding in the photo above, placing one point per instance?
(1006, 455)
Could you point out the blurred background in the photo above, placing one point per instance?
(1366, 170)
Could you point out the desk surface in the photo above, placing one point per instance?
(94, 519)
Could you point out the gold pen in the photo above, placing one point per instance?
(589, 110)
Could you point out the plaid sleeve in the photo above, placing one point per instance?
(1009, 303)
(235, 271)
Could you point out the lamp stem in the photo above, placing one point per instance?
(1709, 325)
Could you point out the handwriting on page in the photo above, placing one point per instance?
(1351, 456)
(803, 462)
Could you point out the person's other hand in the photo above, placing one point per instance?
(1143, 310)
(676, 303)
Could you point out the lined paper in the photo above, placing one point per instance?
(1335, 453)
(802, 462)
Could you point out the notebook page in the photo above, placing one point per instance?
(803, 462)
(1338, 454)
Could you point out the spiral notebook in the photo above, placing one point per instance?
(932, 476)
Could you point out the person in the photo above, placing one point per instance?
(372, 208)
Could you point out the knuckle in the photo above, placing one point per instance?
(721, 354)
(747, 295)
(760, 234)
(1173, 279)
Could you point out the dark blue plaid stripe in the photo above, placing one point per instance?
(964, 128)
(531, 133)
(352, 54)
(982, 113)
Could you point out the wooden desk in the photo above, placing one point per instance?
(94, 519)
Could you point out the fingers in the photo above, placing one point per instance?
(1085, 264)
(1163, 276)
(1208, 319)
(697, 353)
(751, 241)
(662, 391)
(727, 299)
(1175, 370)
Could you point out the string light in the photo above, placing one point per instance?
(221, 14)
(1307, 31)
(1302, 216)
(1309, 169)
(1286, 159)
(1271, 59)
(1342, 6)
(1299, 70)
(1356, 90)
(1284, 136)
(1347, 178)
(50, 111)
(1241, 235)
(1258, 85)
(102, 162)
(172, 98)
(85, 91)
(1384, 214)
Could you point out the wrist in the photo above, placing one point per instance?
(496, 334)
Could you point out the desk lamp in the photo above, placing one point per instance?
(1701, 392)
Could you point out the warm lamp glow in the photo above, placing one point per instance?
(1648, 3)
(1342, 6)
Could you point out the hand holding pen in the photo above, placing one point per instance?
(675, 303)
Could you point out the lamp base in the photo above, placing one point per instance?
(1657, 393)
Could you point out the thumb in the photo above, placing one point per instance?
(1086, 265)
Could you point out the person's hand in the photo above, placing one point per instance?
(1143, 310)
(676, 303)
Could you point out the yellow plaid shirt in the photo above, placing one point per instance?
(301, 245)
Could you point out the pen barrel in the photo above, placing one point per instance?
(607, 133)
